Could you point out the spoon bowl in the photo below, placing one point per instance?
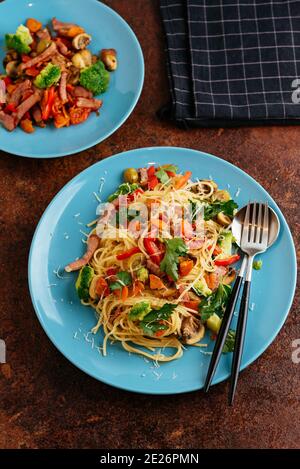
(237, 223)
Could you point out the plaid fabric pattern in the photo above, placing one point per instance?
(233, 62)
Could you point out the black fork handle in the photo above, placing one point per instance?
(239, 340)
(221, 337)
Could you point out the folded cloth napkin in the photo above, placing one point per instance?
(232, 62)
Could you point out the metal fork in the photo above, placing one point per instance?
(254, 240)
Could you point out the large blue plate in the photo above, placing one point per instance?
(58, 240)
(108, 30)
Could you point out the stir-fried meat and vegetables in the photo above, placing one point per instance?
(51, 75)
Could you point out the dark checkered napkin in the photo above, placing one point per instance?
(233, 62)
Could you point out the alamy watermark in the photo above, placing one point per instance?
(296, 92)
(2, 351)
(296, 351)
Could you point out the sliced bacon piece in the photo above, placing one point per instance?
(63, 87)
(154, 268)
(37, 114)
(61, 47)
(2, 92)
(26, 105)
(44, 34)
(64, 28)
(81, 92)
(7, 121)
(93, 104)
(46, 55)
(92, 245)
(186, 296)
(143, 176)
(195, 244)
(19, 92)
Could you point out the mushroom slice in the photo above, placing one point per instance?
(223, 219)
(222, 195)
(192, 330)
(229, 277)
(109, 58)
(81, 41)
(12, 68)
(93, 286)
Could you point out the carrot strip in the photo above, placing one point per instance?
(183, 180)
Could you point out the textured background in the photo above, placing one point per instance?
(47, 402)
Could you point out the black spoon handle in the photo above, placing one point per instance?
(221, 337)
(239, 340)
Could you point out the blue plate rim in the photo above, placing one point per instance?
(127, 114)
(284, 225)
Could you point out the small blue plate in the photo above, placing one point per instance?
(108, 30)
(57, 241)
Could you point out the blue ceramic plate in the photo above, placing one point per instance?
(108, 30)
(58, 240)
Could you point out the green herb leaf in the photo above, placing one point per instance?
(229, 342)
(151, 322)
(257, 265)
(215, 303)
(124, 279)
(174, 248)
(172, 168)
(213, 209)
(123, 189)
(162, 176)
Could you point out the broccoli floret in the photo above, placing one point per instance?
(139, 311)
(142, 274)
(83, 282)
(214, 323)
(20, 40)
(95, 78)
(225, 242)
(201, 288)
(257, 265)
(48, 76)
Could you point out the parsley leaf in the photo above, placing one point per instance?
(213, 209)
(151, 322)
(174, 248)
(162, 174)
(123, 189)
(215, 303)
(229, 342)
(124, 278)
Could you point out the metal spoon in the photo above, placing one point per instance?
(236, 227)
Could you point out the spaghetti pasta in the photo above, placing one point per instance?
(149, 277)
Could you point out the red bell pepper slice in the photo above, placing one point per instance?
(152, 182)
(10, 108)
(7, 81)
(151, 172)
(25, 58)
(132, 196)
(153, 250)
(50, 100)
(127, 254)
(228, 261)
(111, 271)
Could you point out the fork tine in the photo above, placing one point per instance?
(259, 224)
(265, 235)
(245, 225)
(253, 223)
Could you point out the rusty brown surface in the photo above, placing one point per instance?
(47, 402)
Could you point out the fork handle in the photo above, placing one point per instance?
(221, 337)
(239, 340)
